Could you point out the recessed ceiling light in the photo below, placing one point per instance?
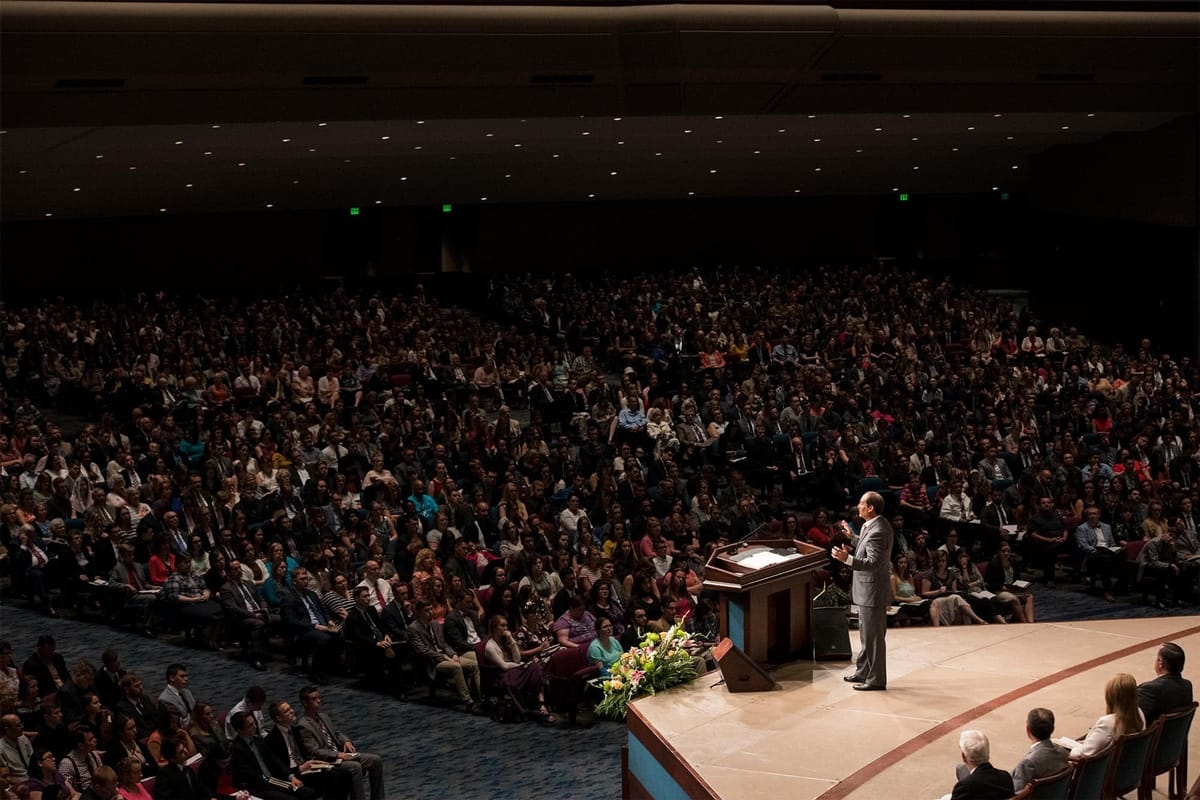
(508, 174)
(953, 149)
(816, 140)
(285, 140)
(312, 149)
(916, 167)
(384, 138)
(758, 152)
(687, 130)
(658, 154)
(895, 188)
(99, 156)
(422, 122)
(613, 172)
(1014, 166)
(718, 117)
(187, 186)
(720, 141)
(378, 202)
(452, 158)
(1091, 115)
(620, 141)
(812, 116)
(294, 183)
(404, 178)
(795, 191)
(25, 171)
(215, 127)
(132, 168)
(162, 210)
(208, 152)
(816, 169)
(1009, 138)
(916, 138)
(322, 124)
(1065, 128)
(489, 135)
(691, 194)
(616, 119)
(591, 195)
(345, 161)
(859, 150)
(270, 205)
(997, 116)
(77, 189)
(995, 188)
(48, 214)
(877, 130)
(555, 155)
(180, 141)
(483, 199)
(970, 127)
(586, 133)
(417, 147)
(241, 163)
(712, 172)
(518, 144)
(906, 116)
(782, 130)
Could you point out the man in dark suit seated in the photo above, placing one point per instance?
(321, 739)
(283, 742)
(136, 705)
(256, 769)
(244, 616)
(1170, 691)
(177, 781)
(372, 646)
(977, 778)
(305, 619)
(398, 614)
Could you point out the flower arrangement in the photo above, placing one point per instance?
(658, 663)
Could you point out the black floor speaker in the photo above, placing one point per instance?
(831, 639)
(739, 671)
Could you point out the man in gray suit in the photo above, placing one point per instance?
(321, 740)
(1044, 758)
(871, 591)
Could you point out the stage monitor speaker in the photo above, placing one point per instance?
(739, 671)
(831, 640)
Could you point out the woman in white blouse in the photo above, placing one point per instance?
(1122, 716)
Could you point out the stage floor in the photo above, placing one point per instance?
(815, 737)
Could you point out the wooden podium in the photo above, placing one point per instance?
(765, 586)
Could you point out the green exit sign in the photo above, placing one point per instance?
(354, 211)
(447, 208)
(904, 197)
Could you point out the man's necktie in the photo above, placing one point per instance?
(247, 598)
(379, 595)
(262, 764)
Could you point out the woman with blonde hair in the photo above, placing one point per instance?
(1121, 716)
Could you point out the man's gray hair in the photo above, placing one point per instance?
(974, 746)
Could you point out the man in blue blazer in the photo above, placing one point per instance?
(871, 590)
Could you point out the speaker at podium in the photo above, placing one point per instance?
(739, 671)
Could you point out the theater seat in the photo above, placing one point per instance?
(569, 673)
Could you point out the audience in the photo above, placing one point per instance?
(299, 447)
(1121, 716)
(1169, 691)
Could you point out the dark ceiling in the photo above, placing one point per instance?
(114, 109)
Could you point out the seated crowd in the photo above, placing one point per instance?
(96, 733)
(1129, 708)
(342, 479)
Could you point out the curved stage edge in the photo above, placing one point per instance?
(815, 738)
